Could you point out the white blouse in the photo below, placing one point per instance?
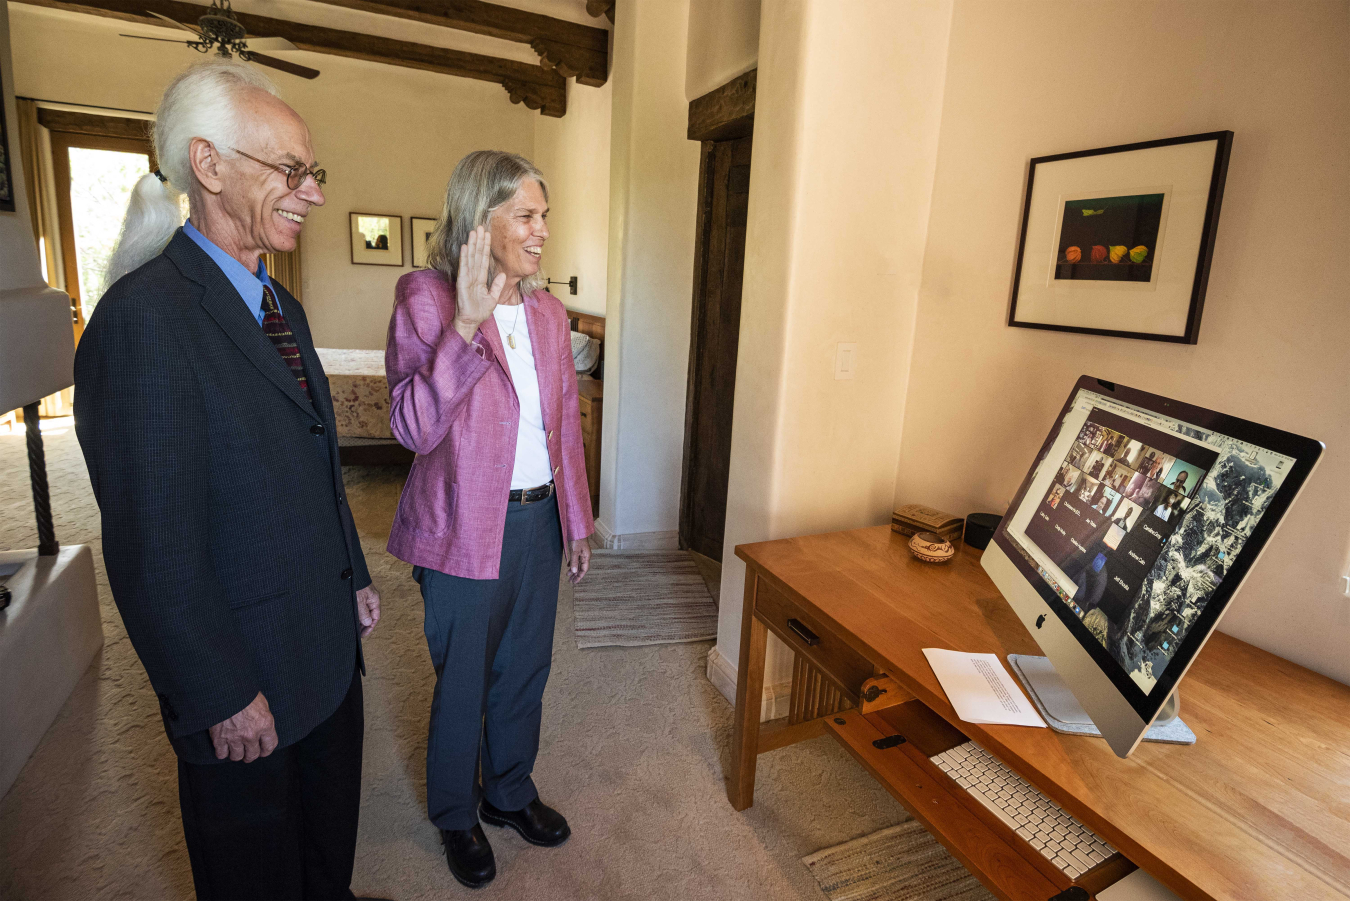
(533, 467)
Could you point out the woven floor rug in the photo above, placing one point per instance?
(901, 863)
(634, 598)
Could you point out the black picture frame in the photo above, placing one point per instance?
(7, 164)
(420, 225)
(1198, 268)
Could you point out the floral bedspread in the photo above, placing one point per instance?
(360, 392)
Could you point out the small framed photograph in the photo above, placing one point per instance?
(421, 233)
(377, 239)
(1118, 241)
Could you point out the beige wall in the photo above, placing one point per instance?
(723, 43)
(573, 154)
(653, 192)
(1025, 81)
(840, 184)
(388, 136)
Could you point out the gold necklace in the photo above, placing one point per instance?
(511, 335)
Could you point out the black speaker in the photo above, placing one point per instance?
(980, 528)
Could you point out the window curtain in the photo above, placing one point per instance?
(35, 153)
(285, 268)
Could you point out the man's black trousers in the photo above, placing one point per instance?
(283, 826)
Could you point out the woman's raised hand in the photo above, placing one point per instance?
(474, 297)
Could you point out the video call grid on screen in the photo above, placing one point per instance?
(1109, 524)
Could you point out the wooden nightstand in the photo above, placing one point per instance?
(590, 396)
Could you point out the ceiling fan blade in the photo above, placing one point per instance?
(272, 45)
(142, 37)
(174, 23)
(280, 64)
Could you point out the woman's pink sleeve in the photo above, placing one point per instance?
(430, 369)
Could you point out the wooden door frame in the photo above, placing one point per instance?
(726, 113)
(88, 132)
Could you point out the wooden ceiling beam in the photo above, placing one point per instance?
(536, 87)
(598, 8)
(71, 122)
(575, 51)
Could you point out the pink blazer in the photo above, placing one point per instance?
(454, 405)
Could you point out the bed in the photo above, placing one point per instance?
(361, 406)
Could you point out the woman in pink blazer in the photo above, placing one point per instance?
(482, 388)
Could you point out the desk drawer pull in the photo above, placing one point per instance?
(805, 634)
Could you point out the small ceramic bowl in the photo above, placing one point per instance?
(931, 548)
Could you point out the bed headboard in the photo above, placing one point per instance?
(594, 326)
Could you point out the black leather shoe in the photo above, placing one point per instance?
(536, 822)
(469, 855)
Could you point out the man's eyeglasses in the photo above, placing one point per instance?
(295, 174)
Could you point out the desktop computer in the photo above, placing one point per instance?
(1128, 538)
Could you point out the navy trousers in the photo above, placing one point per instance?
(491, 642)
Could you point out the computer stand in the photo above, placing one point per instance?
(1171, 711)
(1063, 713)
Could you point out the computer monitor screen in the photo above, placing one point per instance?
(1137, 522)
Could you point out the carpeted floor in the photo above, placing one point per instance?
(634, 745)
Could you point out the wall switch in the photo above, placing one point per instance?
(845, 360)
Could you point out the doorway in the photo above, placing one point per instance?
(724, 193)
(94, 176)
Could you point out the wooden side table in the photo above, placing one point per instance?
(590, 397)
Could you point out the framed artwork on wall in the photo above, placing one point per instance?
(421, 232)
(377, 239)
(6, 162)
(1118, 241)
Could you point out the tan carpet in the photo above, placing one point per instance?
(633, 749)
(635, 598)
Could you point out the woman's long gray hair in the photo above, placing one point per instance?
(481, 182)
(200, 103)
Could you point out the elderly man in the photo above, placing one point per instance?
(206, 423)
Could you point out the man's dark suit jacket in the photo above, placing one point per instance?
(229, 546)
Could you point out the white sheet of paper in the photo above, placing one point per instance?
(981, 689)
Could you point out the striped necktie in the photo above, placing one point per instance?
(274, 324)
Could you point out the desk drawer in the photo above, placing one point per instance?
(842, 665)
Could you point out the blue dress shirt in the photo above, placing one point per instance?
(248, 284)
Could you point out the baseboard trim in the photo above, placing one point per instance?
(636, 541)
(775, 697)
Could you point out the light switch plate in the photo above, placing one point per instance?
(845, 361)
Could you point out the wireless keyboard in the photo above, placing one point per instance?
(1064, 841)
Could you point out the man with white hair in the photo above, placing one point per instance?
(205, 419)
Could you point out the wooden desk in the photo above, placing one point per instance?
(1258, 809)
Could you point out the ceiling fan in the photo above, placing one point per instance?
(219, 29)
